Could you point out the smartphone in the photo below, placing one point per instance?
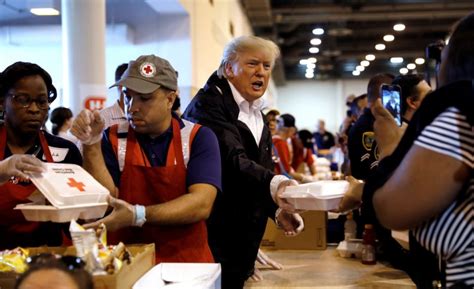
(391, 100)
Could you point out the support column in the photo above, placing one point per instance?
(83, 31)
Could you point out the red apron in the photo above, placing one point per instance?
(145, 185)
(12, 221)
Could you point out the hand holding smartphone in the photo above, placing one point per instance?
(391, 100)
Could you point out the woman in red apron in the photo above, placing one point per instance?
(26, 91)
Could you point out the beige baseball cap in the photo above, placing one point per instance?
(148, 73)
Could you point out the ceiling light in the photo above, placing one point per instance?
(312, 60)
(403, 70)
(396, 59)
(304, 61)
(399, 27)
(315, 41)
(364, 63)
(309, 70)
(44, 11)
(370, 57)
(356, 72)
(309, 75)
(380, 46)
(388, 38)
(311, 65)
(360, 68)
(313, 50)
(318, 31)
(411, 66)
(420, 61)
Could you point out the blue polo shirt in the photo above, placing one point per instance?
(204, 166)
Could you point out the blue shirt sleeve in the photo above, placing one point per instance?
(204, 164)
(110, 158)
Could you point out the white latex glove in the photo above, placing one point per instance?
(263, 259)
(19, 166)
(282, 202)
(353, 196)
(291, 223)
(88, 127)
(307, 179)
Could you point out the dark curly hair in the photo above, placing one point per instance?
(13, 73)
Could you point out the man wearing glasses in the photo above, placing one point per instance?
(164, 171)
(26, 90)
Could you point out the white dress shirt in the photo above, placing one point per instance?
(250, 113)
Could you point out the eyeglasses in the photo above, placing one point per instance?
(69, 261)
(25, 100)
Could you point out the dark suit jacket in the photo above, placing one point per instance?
(240, 213)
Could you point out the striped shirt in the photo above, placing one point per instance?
(113, 115)
(450, 235)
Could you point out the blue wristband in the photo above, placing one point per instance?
(140, 215)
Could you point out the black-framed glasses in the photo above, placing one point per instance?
(25, 100)
(69, 261)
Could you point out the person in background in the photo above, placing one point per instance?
(163, 172)
(115, 114)
(271, 116)
(324, 139)
(26, 91)
(427, 186)
(305, 156)
(413, 90)
(230, 104)
(61, 118)
(177, 102)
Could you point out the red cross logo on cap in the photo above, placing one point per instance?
(74, 184)
(147, 69)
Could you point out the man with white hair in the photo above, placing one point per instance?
(230, 104)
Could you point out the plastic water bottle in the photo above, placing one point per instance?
(368, 245)
(350, 227)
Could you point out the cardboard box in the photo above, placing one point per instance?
(143, 260)
(313, 236)
(198, 276)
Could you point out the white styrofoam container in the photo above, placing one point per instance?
(316, 196)
(44, 213)
(56, 185)
(72, 192)
(181, 276)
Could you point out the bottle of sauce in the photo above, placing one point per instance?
(350, 227)
(368, 245)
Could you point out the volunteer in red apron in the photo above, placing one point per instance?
(26, 90)
(164, 171)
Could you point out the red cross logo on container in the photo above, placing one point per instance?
(147, 69)
(74, 184)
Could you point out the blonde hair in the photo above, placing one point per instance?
(245, 43)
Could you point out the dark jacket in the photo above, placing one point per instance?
(240, 213)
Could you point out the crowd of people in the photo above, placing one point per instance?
(202, 185)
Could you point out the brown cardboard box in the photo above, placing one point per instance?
(313, 236)
(143, 260)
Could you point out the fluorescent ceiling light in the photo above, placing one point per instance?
(311, 65)
(420, 61)
(396, 59)
(411, 65)
(370, 57)
(388, 38)
(360, 68)
(304, 61)
(399, 27)
(380, 46)
(356, 72)
(312, 60)
(318, 31)
(315, 41)
(44, 11)
(403, 70)
(364, 63)
(313, 50)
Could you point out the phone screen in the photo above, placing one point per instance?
(391, 101)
